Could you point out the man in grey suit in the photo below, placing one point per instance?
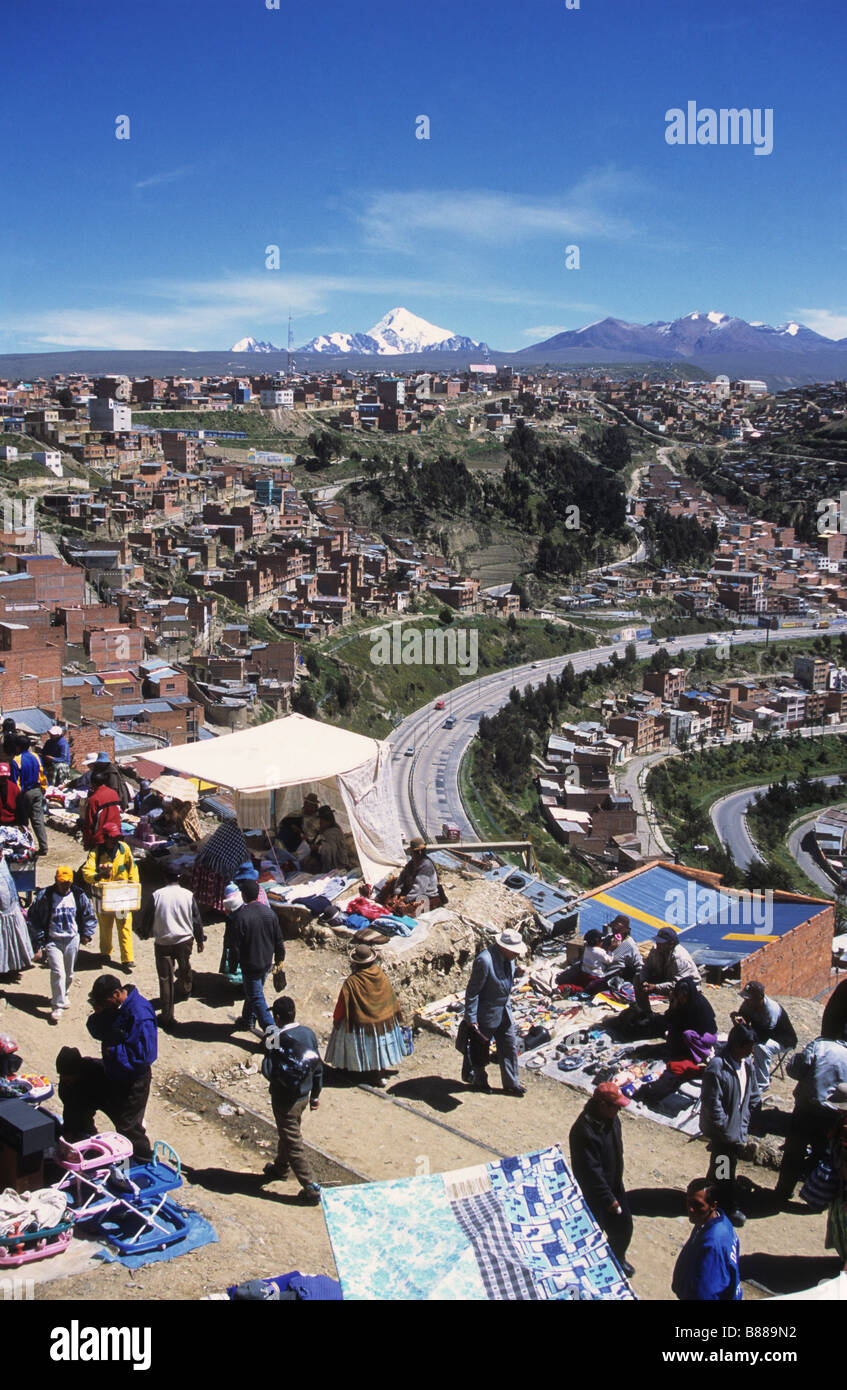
(488, 1011)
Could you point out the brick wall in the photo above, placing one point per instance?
(114, 647)
(88, 739)
(799, 963)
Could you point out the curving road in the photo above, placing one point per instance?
(729, 817)
(426, 783)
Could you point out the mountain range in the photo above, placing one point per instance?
(695, 335)
(398, 333)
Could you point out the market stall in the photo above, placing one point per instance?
(271, 767)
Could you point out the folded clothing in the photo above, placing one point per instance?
(316, 903)
(397, 926)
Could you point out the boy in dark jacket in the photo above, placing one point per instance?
(124, 1024)
(596, 1146)
(292, 1065)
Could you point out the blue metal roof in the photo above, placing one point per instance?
(716, 926)
(34, 719)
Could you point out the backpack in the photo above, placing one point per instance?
(289, 1062)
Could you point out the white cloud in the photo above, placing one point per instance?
(831, 325)
(154, 180)
(543, 330)
(397, 220)
(210, 314)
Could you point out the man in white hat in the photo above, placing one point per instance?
(488, 1010)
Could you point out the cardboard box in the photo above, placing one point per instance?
(118, 897)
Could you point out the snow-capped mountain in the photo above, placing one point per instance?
(698, 334)
(397, 333)
(253, 345)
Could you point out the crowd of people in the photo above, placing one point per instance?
(369, 1038)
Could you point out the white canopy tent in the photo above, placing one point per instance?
(270, 767)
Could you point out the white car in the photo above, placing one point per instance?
(410, 752)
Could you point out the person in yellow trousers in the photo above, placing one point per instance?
(112, 862)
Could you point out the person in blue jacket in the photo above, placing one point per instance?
(707, 1267)
(489, 1012)
(124, 1024)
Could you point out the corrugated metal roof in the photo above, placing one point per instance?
(712, 922)
(35, 720)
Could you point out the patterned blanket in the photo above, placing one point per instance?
(517, 1228)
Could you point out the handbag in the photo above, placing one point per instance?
(280, 980)
(821, 1186)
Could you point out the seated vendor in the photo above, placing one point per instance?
(291, 846)
(329, 849)
(310, 818)
(667, 962)
(417, 881)
(692, 1035)
(146, 800)
(592, 967)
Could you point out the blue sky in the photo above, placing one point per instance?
(253, 127)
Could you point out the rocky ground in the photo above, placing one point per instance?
(426, 1121)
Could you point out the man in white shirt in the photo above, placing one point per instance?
(173, 919)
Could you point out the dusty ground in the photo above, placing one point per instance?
(263, 1231)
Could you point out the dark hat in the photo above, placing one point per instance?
(752, 987)
(362, 955)
(667, 934)
(103, 988)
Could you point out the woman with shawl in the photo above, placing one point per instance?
(692, 1031)
(366, 1034)
(16, 949)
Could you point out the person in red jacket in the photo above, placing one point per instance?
(8, 796)
(102, 814)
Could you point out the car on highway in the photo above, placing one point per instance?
(450, 722)
(439, 704)
(534, 666)
(712, 642)
(410, 751)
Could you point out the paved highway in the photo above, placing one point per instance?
(426, 783)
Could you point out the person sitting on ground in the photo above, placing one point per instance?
(667, 962)
(124, 1024)
(60, 920)
(292, 848)
(593, 966)
(626, 957)
(8, 796)
(774, 1030)
(417, 882)
(692, 1034)
(56, 755)
(145, 800)
(330, 851)
(310, 817)
(101, 816)
(707, 1266)
(292, 1064)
